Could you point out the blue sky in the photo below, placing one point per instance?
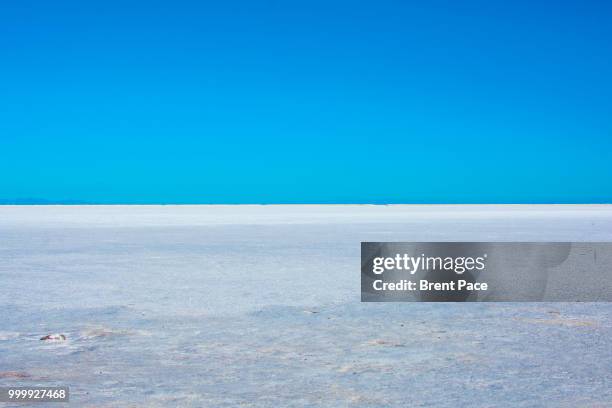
(306, 101)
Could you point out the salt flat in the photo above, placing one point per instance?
(259, 306)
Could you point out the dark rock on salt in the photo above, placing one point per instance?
(55, 337)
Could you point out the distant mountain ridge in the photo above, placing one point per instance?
(38, 201)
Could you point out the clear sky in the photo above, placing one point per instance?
(306, 101)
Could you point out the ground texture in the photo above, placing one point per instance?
(258, 306)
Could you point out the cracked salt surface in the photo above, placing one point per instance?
(259, 306)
